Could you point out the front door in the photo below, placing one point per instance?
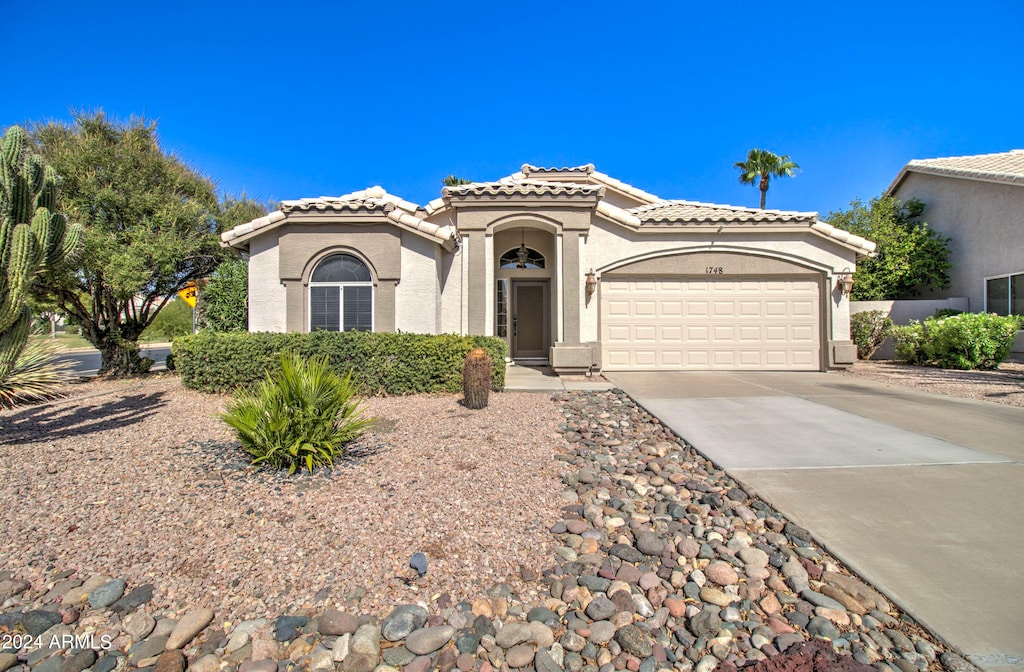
(530, 319)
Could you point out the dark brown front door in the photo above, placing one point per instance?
(530, 319)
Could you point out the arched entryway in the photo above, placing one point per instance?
(524, 272)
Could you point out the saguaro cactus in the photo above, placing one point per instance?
(476, 378)
(32, 237)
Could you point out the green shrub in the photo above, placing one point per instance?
(868, 329)
(946, 312)
(173, 320)
(965, 341)
(381, 363)
(907, 341)
(300, 417)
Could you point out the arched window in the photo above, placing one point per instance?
(341, 295)
(521, 257)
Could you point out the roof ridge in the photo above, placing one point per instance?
(718, 206)
(967, 156)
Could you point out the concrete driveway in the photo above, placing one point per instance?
(921, 494)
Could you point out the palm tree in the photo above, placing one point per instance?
(762, 165)
(452, 181)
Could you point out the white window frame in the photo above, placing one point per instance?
(341, 295)
(1009, 290)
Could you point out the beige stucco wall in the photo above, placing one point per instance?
(985, 221)
(452, 320)
(266, 293)
(417, 294)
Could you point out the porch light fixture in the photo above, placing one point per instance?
(522, 253)
(591, 283)
(845, 281)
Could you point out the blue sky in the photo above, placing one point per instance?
(288, 100)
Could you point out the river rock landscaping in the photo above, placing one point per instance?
(640, 555)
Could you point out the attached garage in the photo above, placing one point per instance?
(742, 312)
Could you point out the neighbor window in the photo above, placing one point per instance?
(341, 295)
(1004, 295)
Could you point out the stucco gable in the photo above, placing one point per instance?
(1002, 167)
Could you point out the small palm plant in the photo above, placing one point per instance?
(300, 418)
(36, 375)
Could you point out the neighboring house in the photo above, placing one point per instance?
(569, 266)
(978, 201)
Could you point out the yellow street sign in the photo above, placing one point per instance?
(189, 293)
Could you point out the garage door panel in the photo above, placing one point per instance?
(723, 323)
(672, 334)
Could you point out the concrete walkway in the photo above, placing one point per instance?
(920, 494)
(520, 378)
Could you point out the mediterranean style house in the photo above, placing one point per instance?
(977, 201)
(570, 266)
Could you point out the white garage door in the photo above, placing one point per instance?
(706, 324)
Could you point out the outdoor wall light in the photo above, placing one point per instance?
(845, 281)
(522, 254)
(591, 283)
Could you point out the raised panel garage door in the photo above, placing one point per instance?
(707, 324)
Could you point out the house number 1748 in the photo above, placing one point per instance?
(713, 270)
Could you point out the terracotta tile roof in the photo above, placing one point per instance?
(523, 187)
(693, 211)
(1006, 167)
(655, 214)
(587, 171)
(373, 199)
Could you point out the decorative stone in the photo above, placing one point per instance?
(366, 640)
(515, 632)
(334, 622)
(80, 661)
(341, 647)
(633, 640)
(286, 628)
(399, 656)
(38, 621)
(207, 663)
(518, 656)
(320, 661)
(139, 625)
(650, 543)
(430, 639)
(170, 661)
(136, 598)
(600, 608)
(190, 625)
(105, 595)
(8, 660)
(402, 620)
(722, 574)
(265, 665)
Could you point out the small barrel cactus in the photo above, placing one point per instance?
(476, 378)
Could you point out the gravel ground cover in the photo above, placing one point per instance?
(142, 481)
(578, 535)
(1004, 385)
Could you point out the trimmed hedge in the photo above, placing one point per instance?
(382, 363)
(966, 341)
